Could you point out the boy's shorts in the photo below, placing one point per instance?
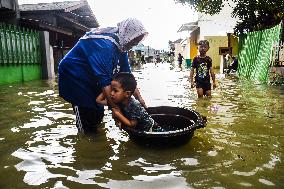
(87, 119)
(204, 86)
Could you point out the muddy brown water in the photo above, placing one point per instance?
(241, 147)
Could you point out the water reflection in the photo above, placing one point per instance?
(242, 145)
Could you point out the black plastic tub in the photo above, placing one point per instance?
(178, 126)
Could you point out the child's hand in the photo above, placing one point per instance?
(115, 112)
(214, 85)
(118, 123)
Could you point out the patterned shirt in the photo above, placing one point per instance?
(202, 66)
(135, 111)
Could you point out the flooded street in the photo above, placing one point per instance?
(241, 147)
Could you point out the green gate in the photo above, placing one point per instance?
(20, 58)
(255, 51)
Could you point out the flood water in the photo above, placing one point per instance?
(241, 147)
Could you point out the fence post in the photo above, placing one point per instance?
(9, 44)
(31, 47)
(1, 41)
(34, 46)
(28, 46)
(18, 43)
(38, 55)
(23, 46)
(14, 44)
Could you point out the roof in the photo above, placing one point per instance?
(77, 9)
(65, 5)
(178, 41)
(191, 26)
(47, 26)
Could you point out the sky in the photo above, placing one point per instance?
(161, 18)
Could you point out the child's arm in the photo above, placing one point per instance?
(101, 99)
(213, 77)
(117, 114)
(191, 77)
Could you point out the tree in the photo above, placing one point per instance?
(253, 14)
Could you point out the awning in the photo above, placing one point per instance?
(191, 26)
(45, 25)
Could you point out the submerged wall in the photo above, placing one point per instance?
(19, 73)
(20, 58)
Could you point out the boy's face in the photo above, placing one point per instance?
(203, 49)
(118, 95)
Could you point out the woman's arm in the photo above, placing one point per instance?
(117, 114)
(138, 97)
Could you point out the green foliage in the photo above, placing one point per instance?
(253, 14)
(205, 6)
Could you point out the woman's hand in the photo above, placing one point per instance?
(139, 97)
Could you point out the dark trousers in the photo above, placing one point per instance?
(87, 119)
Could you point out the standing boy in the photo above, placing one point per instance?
(203, 66)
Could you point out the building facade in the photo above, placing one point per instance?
(218, 30)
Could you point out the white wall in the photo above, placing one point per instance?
(186, 48)
(217, 25)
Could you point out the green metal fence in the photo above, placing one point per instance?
(255, 53)
(19, 54)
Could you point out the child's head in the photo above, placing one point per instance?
(203, 47)
(123, 86)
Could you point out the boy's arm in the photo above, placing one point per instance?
(123, 119)
(191, 77)
(213, 77)
(101, 99)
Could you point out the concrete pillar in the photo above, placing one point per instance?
(222, 64)
(46, 56)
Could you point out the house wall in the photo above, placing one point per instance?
(215, 42)
(9, 11)
(215, 29)
(234, 43)
(178, 49)
(194, 38)
(217, 25)
(186, 48)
